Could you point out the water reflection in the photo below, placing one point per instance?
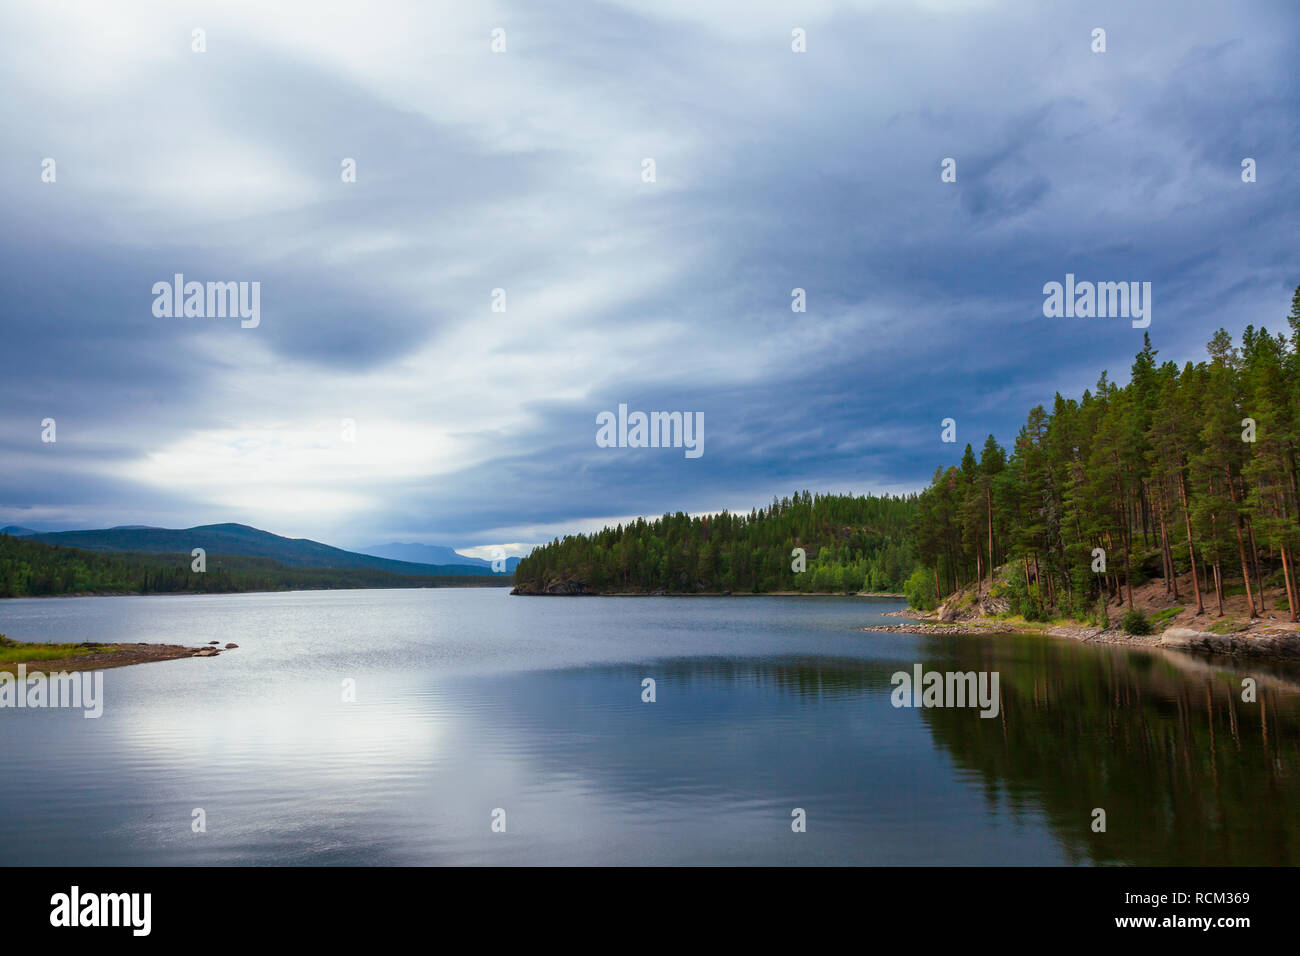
(1187, 772)
(472, 701)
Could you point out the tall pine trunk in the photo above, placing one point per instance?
(988, 498)
(1241, 544)
(1164, 533)
(1290, 587)
(1218, 585)
(1191, 548)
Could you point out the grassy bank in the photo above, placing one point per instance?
(38, 656)
(16, 652)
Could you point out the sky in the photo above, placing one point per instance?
(524, 169)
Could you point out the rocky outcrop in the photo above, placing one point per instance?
(1264, 645)
(971, 607)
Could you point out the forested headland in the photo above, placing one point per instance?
(850, 544)
(34, 569)
(1186, 474)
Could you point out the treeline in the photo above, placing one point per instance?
(850, 543)
(32, 569)
(1187, 471)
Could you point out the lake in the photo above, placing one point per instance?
(472, 701)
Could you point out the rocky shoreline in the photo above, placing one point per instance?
(1260, 640)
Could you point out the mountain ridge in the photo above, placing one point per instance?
(232, 538)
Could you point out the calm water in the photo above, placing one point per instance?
(471, 700)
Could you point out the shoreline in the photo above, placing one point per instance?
(515, 592)
(1259, 640)
(95, 655)
(85, 594)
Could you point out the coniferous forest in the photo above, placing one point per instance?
(1187, 474)
(850, 543)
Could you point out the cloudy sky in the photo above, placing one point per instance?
(522, 170)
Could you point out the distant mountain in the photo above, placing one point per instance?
(431, 554)
(239, 539)
(16, 532)
(34, 569)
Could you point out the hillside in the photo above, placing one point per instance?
(31, 568)
(1154, 617)
(1153, 601)
(238, 539)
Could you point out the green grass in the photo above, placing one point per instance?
(15, 652)
(1019, 621)
(1162, 617)
(1227, 625)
